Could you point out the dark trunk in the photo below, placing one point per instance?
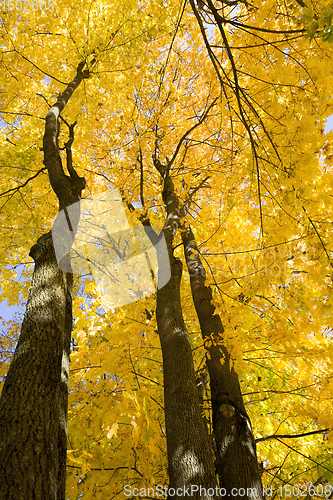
(236, 459)
(189, 453)
(190, 460)
(33, 403)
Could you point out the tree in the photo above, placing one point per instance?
(34, 426)
(209, 122)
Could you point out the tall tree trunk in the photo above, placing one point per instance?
(33, 403)
(190, 461)
(189, 453)
(236, 458)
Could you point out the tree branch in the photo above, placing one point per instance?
(291, 436)
(67, 189)
(17, 188)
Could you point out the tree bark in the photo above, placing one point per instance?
(189, 453)
(236, 458)
(190, 461)
(33, 403)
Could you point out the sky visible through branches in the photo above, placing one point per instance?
(7, 312)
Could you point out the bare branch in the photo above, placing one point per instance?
(182, 139)
(291, 436)
(39, 69)
(17, 188)
(140, 160)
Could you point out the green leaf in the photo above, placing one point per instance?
(327, 35)
(308, 14)
(326, 16)
(312, 30)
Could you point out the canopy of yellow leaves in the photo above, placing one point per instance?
(263, 219)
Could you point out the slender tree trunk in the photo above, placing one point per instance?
(190, 461)
(189, 453)
(236, 458)
(33, 403)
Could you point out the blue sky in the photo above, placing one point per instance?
(329, 124)
(7, 312)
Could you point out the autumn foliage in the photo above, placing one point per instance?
(233, 97)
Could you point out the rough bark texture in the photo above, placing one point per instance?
(189, 453)
(33, 403)
(236, 459)
(190, 459)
